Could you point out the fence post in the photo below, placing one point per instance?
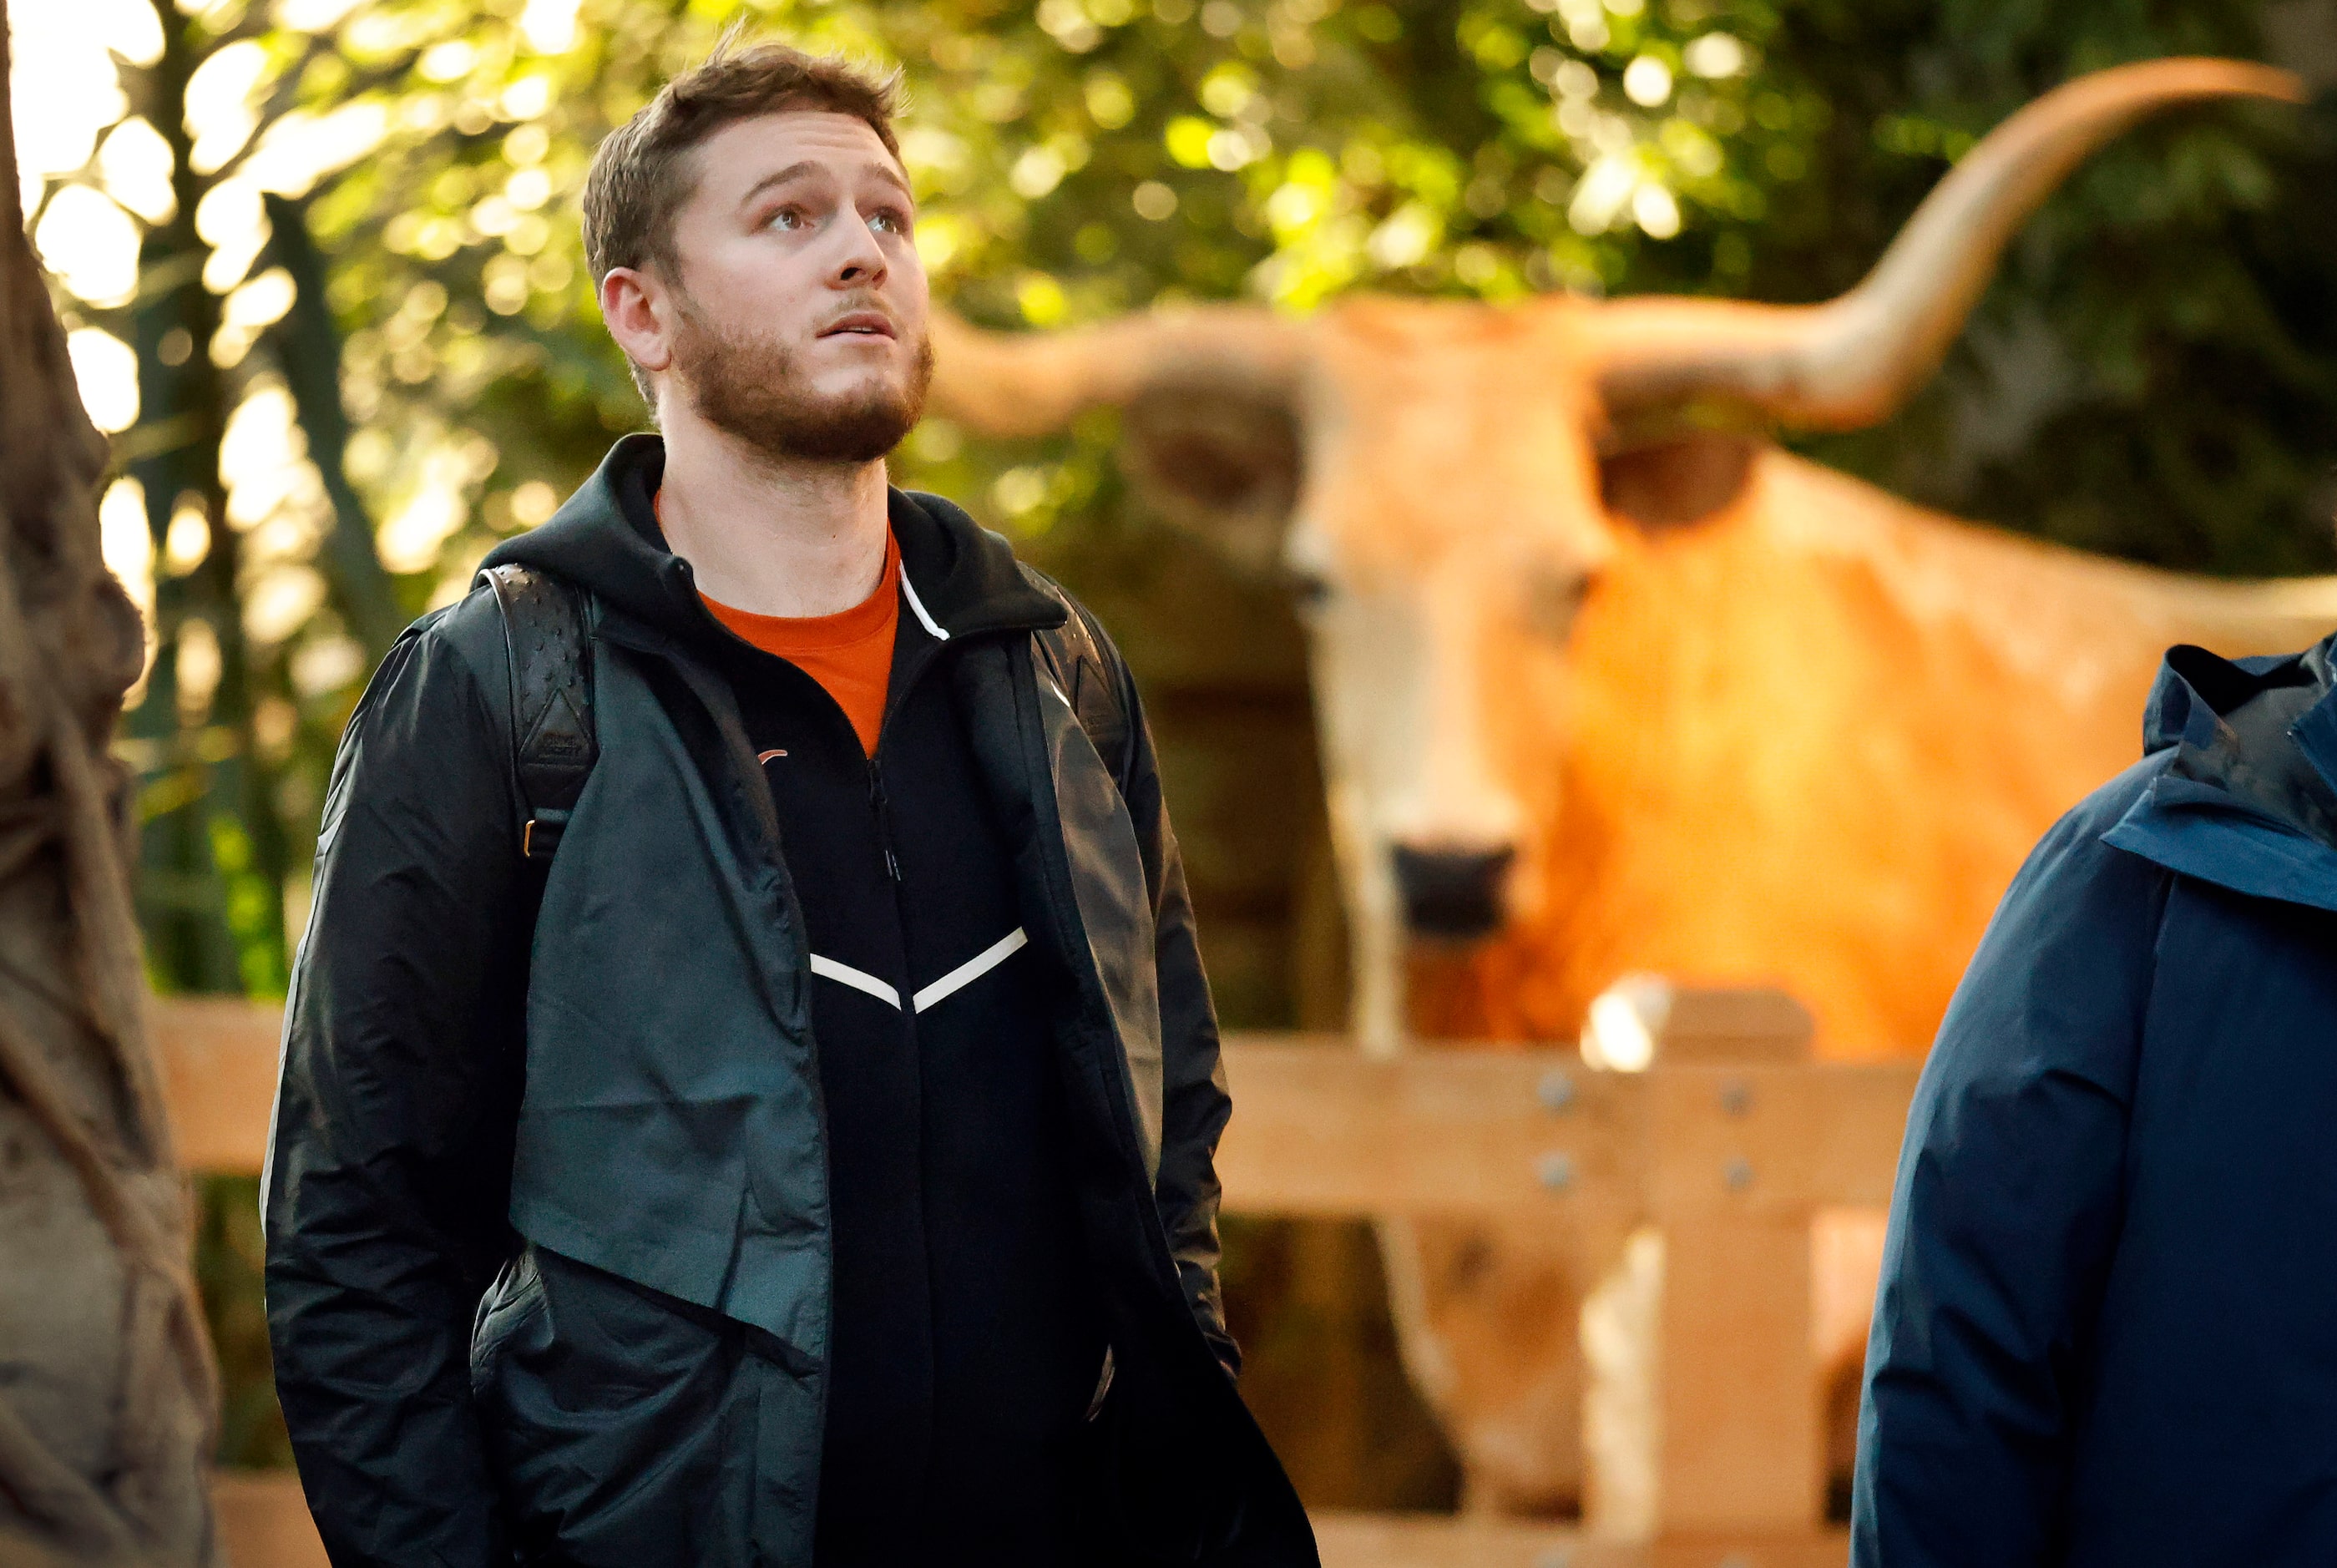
(1741, 1444)
(1740, 1469)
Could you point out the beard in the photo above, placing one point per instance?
(752, 387)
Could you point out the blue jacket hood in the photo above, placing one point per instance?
(2243, 789)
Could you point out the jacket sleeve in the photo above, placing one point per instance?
(389, 1166)
(2006, 1210)
(1195, 1104)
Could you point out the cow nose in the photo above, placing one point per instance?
(1451, 893)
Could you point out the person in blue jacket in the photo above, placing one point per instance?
(2106, 1330)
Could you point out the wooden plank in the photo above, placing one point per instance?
(1319, 1129)
(1798, 1549)
(218, 1072)
(1741, 1447)
(264, 1520)
(1734, 1026)
(1774, 1142)
(1437, 1541)
(1441, 1541)
(264, 1523)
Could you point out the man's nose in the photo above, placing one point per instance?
(863, 261)
(1454, 894)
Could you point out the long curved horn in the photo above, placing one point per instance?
(1027, 383)
(1851, 362)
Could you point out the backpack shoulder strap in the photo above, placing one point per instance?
(553, 741)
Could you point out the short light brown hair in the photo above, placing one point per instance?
(642, 175)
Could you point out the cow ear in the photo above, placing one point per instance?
(1678, 481)
(1217, 461)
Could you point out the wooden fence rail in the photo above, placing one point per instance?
(1731, 1159)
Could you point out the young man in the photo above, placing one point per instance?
(811, 1160)
(2108, 1328)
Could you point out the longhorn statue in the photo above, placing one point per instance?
(1607, 685)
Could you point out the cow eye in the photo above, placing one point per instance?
(1311, 591)
(1554, 600)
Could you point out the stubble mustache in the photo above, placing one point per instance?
(752, 387)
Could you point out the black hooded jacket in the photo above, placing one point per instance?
(551, 1259)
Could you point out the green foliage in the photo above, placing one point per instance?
(1078, 158)
(227, 1257)
(2152, 374)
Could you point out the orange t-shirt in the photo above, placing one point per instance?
(850, 653)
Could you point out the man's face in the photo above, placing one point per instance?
(797, 321)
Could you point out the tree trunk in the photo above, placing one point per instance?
(214, 773)
(106, 1391)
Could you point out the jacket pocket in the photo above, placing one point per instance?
(622, 1425)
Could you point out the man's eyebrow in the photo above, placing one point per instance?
(777, 177)
(796, 170)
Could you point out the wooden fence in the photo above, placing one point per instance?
(1730, 1147)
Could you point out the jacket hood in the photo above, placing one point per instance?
(959, 578)
(2245, 794)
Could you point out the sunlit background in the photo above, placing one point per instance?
(318, 264)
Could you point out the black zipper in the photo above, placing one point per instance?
(894, 701)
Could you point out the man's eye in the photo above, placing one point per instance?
(893, 219)
(788, 217)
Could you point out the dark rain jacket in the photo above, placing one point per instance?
(613, 1064)
(2107, 1332)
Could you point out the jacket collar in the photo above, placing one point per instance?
(959, 578)
(2244, 770)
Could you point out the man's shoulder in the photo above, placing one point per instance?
(1097, 676)
(2077, 924)
(472, 628)
(2080, 852)
(1079, 621)
(2091, 819)
(455, 655)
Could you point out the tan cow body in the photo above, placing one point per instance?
(1652, 696)
(1811, 739)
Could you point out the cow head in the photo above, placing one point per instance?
(1442, 484)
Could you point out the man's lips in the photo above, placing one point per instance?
(860, 324)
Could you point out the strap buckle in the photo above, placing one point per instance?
(542, 835)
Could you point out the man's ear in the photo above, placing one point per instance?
(639, 310)
(1216, 461)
